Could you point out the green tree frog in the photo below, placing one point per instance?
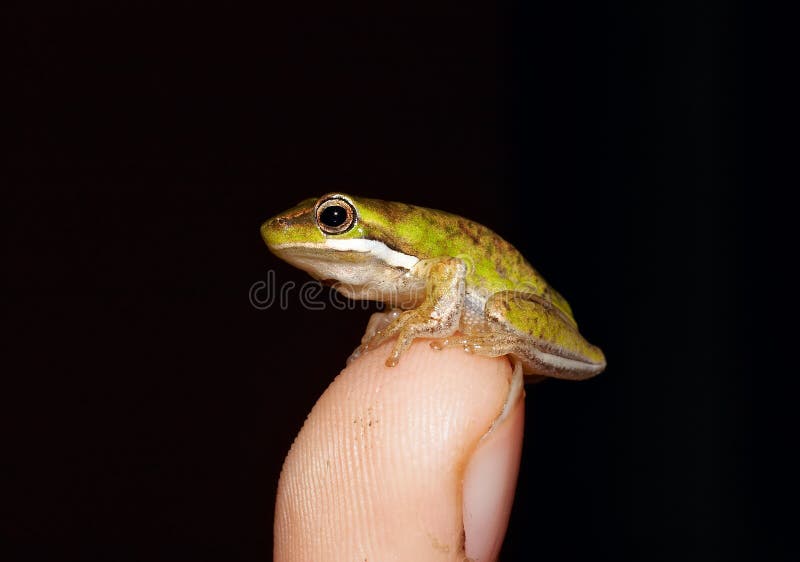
(442, 276)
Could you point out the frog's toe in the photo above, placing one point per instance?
(404, 340)
(438, 345)
(357, 352)
(376, 340)
(455, 341)
(378, 322)
(443, 343)
(364, 348)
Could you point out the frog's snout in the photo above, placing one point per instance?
(272, 228)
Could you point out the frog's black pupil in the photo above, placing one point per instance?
(333, 216)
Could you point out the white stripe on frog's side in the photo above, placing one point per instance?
(375, 248)
(577, 369)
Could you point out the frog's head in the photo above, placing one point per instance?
(342, 238)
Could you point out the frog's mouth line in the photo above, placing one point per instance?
(374, 248)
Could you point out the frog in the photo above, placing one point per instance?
(440, 277)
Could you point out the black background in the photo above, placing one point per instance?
(149, 406)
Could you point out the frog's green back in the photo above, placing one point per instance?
(494, 264)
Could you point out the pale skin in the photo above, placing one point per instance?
(404, 463)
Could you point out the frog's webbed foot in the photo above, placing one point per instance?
(456, 340)
(438, 315)
(487, 343)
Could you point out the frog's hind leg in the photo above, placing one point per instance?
(543, 336)
(534, 331)
(439, 314)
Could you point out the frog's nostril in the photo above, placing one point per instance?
(272, 228)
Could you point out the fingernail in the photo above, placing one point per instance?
(490, 481)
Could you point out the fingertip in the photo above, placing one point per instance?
(379, 468)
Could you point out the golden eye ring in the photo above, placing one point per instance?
(335, 215)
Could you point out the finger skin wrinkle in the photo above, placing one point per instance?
(376, 472)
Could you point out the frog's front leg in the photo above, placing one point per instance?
(437, 316)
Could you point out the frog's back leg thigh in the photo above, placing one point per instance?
(538, 333)
(534, 331)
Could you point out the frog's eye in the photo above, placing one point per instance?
(335, 215)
